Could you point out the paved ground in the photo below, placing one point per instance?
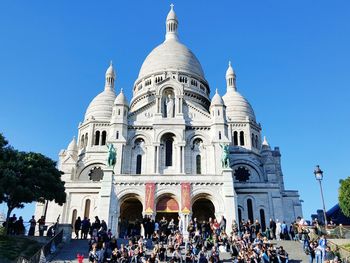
(69, 252)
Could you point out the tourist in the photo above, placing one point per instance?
(284, 231)
(77, 227)
(272, 229)
(41, 223)
(278, 230)
(85, 227)
(32, 225)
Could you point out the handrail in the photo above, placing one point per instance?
(343, 252)
(45, 250)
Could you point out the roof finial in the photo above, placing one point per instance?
(216, 91)
(171, 24)
(229, 63)
(111, 63)
(265, 143)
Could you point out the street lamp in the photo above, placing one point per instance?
(319, 176)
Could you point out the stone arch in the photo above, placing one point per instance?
(171, 197)
(217, 201)
(127, 193)
(245, 203)
(197, 134)
(251, 166)
(83, 173)
(177, 136)
(130, 209)
(142, 135)
(169, 85)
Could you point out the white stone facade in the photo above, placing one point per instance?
(170, 133)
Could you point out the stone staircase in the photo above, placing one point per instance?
(294, 250)
(69, 251)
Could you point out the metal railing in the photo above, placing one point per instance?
(42, 254)
(342, 251)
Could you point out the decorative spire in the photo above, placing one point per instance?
(171, 24)
(230, 77)
(265, 142)
(110, 77)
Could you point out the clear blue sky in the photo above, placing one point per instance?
(291, 59)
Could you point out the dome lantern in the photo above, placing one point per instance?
(110, 77)
(171, 24)
(230, 77)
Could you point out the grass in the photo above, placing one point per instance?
(347, 246)
(13, 246)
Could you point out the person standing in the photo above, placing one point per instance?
(32, 226)
(278, 230)
(222, 224)
(41, 223)
(272, 229)
(77, 227)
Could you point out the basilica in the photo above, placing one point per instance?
(177, 151)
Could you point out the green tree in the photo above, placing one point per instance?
(26, 177)
(344, 196)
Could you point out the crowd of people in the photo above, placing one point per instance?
(163, 240)
(16, 226)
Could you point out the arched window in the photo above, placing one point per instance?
(256, 141)
(117, 135)
(235, 138)
(82, 142)
(219, 135)
(138, 163)
(253, 140)
(87, 208)
(218, 112)
(118, 111)
(198, 164)
(169, 151)
(250, 210)
(103, 138)
(74, 216)
(262, 219)
(239, 216)
(241, 138)
(97, 137)
(86, 139)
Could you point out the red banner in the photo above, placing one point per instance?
(150, 190)
(186, 198)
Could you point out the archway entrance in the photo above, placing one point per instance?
(168, 208)
(202, 209)
(130, 217)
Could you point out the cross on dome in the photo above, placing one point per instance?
(171, 24)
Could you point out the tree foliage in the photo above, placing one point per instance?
(344, 196)
(26, 177)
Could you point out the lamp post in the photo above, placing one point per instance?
(319, 176)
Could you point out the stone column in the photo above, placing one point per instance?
(105, 195)
(230, 198)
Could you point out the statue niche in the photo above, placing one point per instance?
(169, 104)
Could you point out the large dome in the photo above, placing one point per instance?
(237, 107)
(171, 55)
(101, 106)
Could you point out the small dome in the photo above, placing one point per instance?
(217, 100)
(121, 99)
(171, 55)
(237, 107)
(72, 147)
(171, 15)
(100, 107)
